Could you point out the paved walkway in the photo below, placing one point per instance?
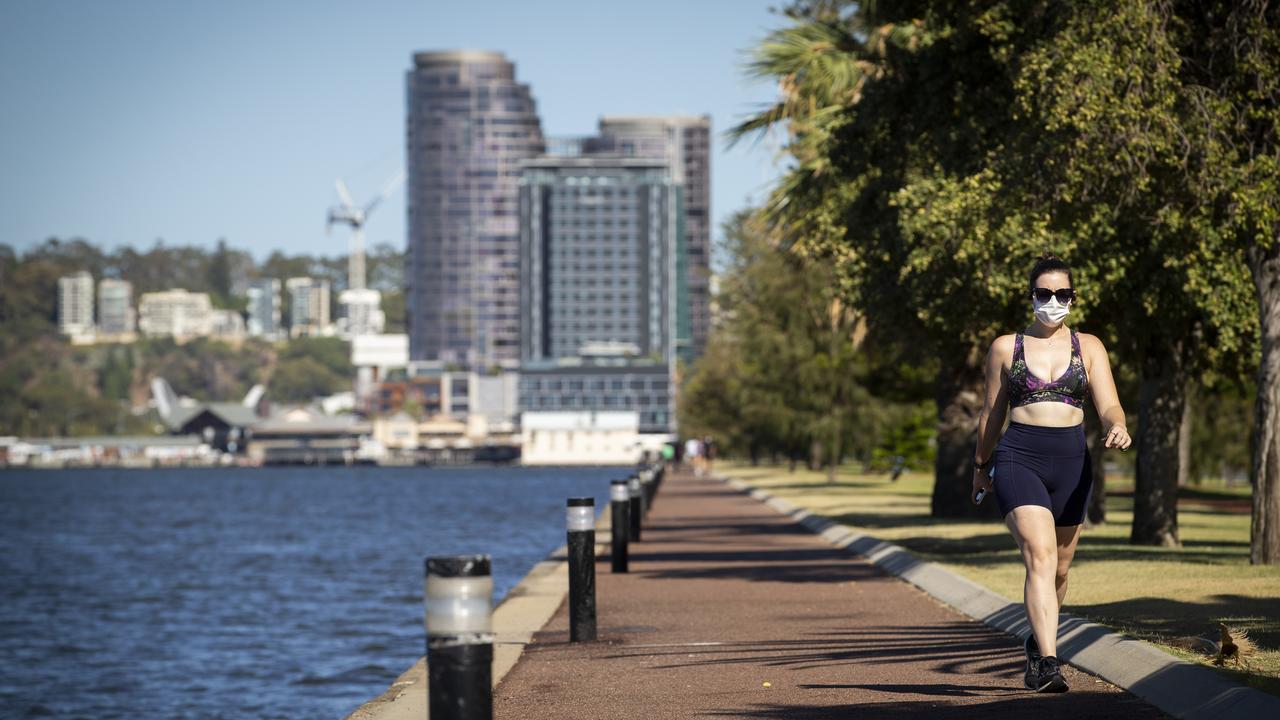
(731, 610)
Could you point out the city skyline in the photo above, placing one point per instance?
(144, 121)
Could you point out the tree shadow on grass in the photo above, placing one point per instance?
(873, 520)
(1167, 618)
(1087, 554)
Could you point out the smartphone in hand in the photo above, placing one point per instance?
(982, 492)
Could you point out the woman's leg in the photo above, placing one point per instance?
(1033, 530)
(1068, 537)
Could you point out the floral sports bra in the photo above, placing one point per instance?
(1025, 388)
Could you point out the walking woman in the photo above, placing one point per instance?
(1042, 474)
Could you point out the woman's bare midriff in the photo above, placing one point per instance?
(1047, 414)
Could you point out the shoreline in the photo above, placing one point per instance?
(523, 611)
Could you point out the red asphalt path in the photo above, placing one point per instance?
(732, 610)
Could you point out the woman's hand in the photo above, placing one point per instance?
(981, 481)
(1117, 437)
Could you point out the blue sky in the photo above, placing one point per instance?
(131, 120)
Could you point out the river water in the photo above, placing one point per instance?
(245, 593)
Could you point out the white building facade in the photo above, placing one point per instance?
(308, 307)
(580, 438)
(75, 304)
(175, 313)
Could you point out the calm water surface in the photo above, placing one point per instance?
(246, 593)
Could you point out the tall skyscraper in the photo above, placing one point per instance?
(75, 304)
(685, 143)
(469, 124)
(116, 315)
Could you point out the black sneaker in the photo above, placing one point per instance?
(1047, 676)
(1032, 649)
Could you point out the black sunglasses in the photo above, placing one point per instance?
(1064, 295)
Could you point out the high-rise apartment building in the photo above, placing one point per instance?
(599, 257)
(468, 126)
(685, 143)
(602, 277)
(116, 315)
(308, 306)
(264, 308)
(75, 304)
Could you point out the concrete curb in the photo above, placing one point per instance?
(526, 608)
(1177, 687)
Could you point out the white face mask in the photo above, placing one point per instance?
(1052, 312)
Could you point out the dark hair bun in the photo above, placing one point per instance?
(1047, 263)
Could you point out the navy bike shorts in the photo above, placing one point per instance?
(1045, 466)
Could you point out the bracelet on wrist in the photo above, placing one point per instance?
(982, 466)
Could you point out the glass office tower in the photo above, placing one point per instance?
(469, 124)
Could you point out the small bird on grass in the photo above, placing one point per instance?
(1234, 646)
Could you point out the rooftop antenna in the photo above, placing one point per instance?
(348, 213)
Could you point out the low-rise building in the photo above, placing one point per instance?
(221, 425)
(397, 432)
(226, 325)
(580, 438)
(177, 313)
(302, 436)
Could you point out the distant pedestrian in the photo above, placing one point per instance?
(708, 452)
(1042, 473)
(693, 451)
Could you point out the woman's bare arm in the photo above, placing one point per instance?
(1105, 398)
(995, 404)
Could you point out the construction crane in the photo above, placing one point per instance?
(350, 214)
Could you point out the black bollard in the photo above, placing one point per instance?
(619, 502)
(460, 638)
(581, 522)
(637, 507)
(648, 486)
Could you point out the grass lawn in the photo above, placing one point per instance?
(1156, 594)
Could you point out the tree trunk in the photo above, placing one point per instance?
(1264, 540)
(1184, 444)
(959, 402)
(1097, 511)
(835, 446)
(1155, 495)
